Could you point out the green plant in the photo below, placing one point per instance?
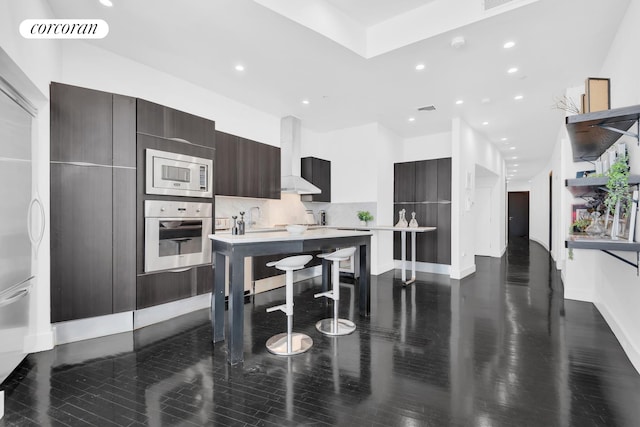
(365, 216)
(618, 186)
(580, 224)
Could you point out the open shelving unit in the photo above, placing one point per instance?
(591, 135)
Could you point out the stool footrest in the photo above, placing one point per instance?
(328, 294)
(282, 307)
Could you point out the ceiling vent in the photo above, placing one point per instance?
(490, 4)
(427, 108)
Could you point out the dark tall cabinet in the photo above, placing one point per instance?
(424, 187)
(318, 172)
(92, 203)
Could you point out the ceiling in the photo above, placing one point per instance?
(558, 45)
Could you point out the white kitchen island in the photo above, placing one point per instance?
(238, 247)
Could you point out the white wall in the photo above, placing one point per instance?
(469, 149)
(591, 275)
(518, 185)
(617, 286)
(92, 67)
(434, 146)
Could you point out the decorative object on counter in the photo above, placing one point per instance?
(413, 223)
(241, 224)
(296, 228)
(365, 217)
(234, 227)
(402, 221)
(618, 200)
(310, 218)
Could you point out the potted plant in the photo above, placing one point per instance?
(617, 200)
(365, 217)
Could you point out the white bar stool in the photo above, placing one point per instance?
(334, 325)
(289, 343)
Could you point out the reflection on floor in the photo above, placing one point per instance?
(501, 348)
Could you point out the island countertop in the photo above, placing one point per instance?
(283, 236)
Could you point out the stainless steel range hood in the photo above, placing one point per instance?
(290, 139)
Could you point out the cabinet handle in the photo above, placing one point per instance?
(35, 241)
(15, 292)
(179, 270)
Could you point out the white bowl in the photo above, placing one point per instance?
(296, 229)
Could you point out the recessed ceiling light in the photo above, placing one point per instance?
(485, 100)
(239, 67)
(512, 70)
(485, 123)
(412, 119)
(305, 101)
(518, 97)
(503, 139)
(514, 157)
(512, 148)
(107, 3)
(515, 164)
(459, 102)
(419, 67)
(509, 45)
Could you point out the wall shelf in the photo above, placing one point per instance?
(579, 241)
(592, 133)
(588, 187)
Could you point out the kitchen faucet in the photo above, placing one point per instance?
(251, 222)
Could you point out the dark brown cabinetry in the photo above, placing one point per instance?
(318, 172)
(158, 120)
(424, 187)
(154, 289)
(92, 203)
(246, 168)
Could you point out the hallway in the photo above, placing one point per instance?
(500, 348)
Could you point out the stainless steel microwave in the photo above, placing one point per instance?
(178, 174)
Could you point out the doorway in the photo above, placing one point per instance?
(518, 214)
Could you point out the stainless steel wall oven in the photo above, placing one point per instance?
(176, 235)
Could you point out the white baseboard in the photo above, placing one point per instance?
(461, 274)
(43, 341)
(94, 327)
(629, 347)
(162, 312)
(424, 267)
(578, 295)
(544, 245)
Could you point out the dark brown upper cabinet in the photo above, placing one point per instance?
(246, 168)
(158, 120)
(86, 118)
(269, 172)
(225, 168)
(318, 172)
(404, 182)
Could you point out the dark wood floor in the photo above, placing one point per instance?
(501, 348)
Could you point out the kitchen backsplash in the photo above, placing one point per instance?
(290, 210)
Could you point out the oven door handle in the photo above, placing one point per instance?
(179, 270)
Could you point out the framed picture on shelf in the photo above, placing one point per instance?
(578, 211)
